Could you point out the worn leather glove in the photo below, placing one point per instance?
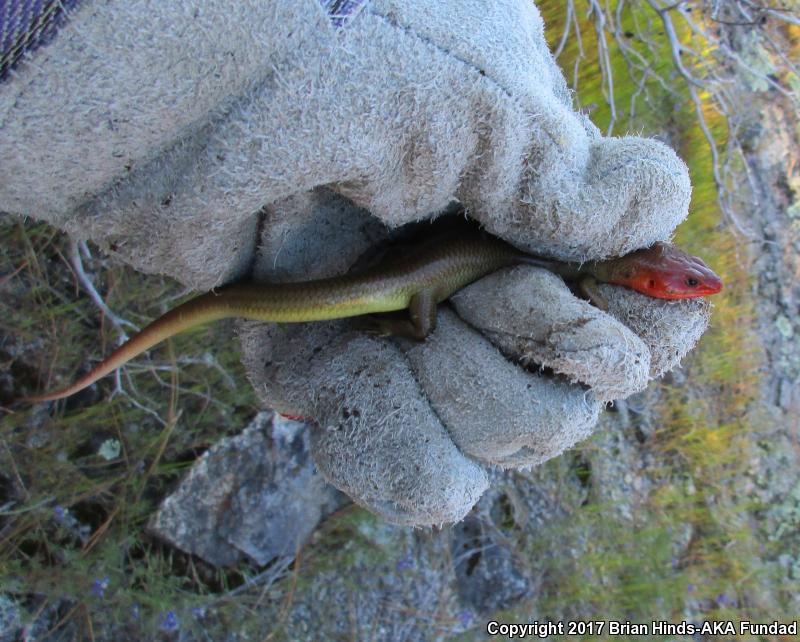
(202, 141)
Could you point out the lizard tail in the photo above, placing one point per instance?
(198, 311)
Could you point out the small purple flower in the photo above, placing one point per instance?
(464, 618)
(404, 563)
(170, 622)
(99, 588)
(198, 612)
(135, 611)
(690, 588)
(724, 600)
(59, 513)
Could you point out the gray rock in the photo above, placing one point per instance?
(487, 575)
(256, 495)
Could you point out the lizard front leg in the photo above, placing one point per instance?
(588, 288)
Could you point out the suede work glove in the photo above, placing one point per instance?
(204, 141)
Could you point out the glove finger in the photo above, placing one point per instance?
(377, 438)
(669, 329)
(495, 410)
(593, 198)
(531, 315)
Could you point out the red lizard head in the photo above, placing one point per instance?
(665, 272)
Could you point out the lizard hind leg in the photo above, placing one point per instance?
(422, 310)
(422, 321)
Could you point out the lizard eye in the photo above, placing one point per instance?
(691, 282)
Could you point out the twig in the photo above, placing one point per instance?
(268, 577)
(581, 53)
(693, 84)
(166, 433)
(25, 509)
(132, 400)
(733, 56)
(674, 43)
(565, 34)
(287, 603)
(86, 282)
(7, 277)
(605, 61)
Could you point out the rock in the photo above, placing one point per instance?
(257, 495)
(487, 575)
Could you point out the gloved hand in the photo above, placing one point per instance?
(202, 140)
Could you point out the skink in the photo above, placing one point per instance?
(419, 281)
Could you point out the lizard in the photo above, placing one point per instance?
(417, 281)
